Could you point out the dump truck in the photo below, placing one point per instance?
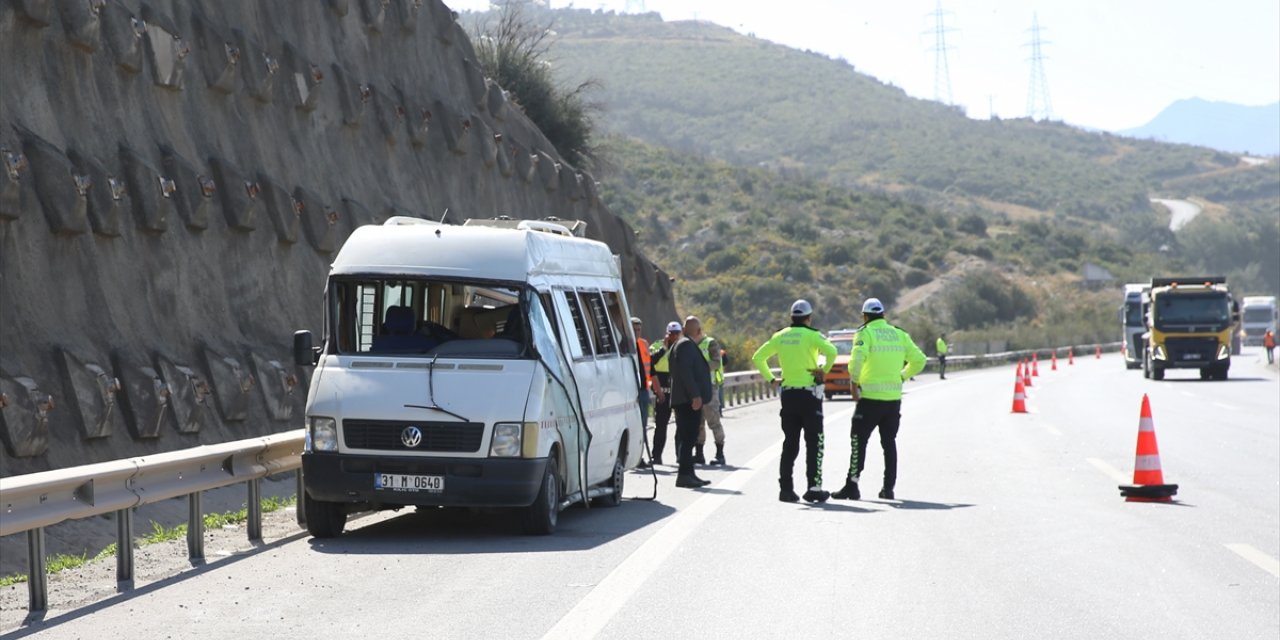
(1190, 325)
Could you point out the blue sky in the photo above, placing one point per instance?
(1110, 64)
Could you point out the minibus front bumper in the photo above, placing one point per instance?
(463, 482)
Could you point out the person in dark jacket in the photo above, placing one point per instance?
(690, 389)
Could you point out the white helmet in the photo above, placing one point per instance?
(872, 305)
(801, 309)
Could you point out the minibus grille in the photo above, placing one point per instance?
(388, 435)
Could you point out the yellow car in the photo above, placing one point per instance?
(837, 380)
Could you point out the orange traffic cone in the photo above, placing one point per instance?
(1097, 352)
(1054, 365)
(1026, 375)
(1148, 481)
(1017, 375)
(1035, 365)
(1071, 355)
(1019, 397)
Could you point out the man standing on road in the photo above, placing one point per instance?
(710, 348)
(797, 349)
(883, 357)
(1269, 341)
(942, 356)
(690, 392)
(660, 356)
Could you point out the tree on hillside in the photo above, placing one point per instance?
(513, 51)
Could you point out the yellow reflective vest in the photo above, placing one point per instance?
(717, 364)
(942, 346)
(797, 348)
(883, 357)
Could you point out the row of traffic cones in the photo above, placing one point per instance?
(1148, 478)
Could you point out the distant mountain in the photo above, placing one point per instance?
(1217, 125)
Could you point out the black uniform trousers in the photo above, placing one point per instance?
(686, 435)
(662, 415)
(870, 414)
(801, 413)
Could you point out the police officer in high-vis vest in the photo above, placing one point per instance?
(883, 357)
(797, 348)
(941, 346)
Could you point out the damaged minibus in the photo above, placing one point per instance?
(483, 365)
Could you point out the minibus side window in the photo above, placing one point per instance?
(583, 347)
(598, 319)
(616, 318)
(549, 309)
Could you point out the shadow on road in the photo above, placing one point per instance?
(916, 504)
(467, 531)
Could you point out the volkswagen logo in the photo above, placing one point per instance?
(411, 437)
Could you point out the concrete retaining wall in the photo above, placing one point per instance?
(176, 176)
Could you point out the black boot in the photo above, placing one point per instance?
(657, 459)
(848, 492)
(886, 494)
(816, 494)
(719, 459)
(690, 481)
(698, 457)
(788, 495)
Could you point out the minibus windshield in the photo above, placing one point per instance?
(421, 317)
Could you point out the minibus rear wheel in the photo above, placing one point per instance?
(616, 481)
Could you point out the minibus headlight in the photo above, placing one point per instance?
(506, 440)
(1223, 352)
(323, 434)
(1159, 355)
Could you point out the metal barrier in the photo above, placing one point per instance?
(745, 387)
(34, 501)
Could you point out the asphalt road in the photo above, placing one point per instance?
(1007, 526)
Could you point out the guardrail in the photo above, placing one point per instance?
(34, 501)
(745, 387)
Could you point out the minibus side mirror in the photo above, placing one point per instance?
(304, 353)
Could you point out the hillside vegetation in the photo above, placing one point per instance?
(756, 174)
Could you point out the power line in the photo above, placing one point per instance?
(1038, 105)
(941, 70)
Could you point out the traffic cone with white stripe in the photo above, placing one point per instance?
(1035, 364)
(1054, 364)
(1026, 375)
(1148, 480)
(1071, 355)
(1017, 375)
(1097, 352)
(1019, 397)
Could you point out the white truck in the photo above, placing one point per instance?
(1133, 323)
(488, 365)
(1259, 315)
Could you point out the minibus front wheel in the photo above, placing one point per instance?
(540, 518)
(325, 519)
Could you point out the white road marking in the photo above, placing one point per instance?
(1052, 429)
(1262, 560)
(598, 607)
(1228, 407)
(1111, 471)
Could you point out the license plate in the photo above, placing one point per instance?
(402, 482)
(1190, 356)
